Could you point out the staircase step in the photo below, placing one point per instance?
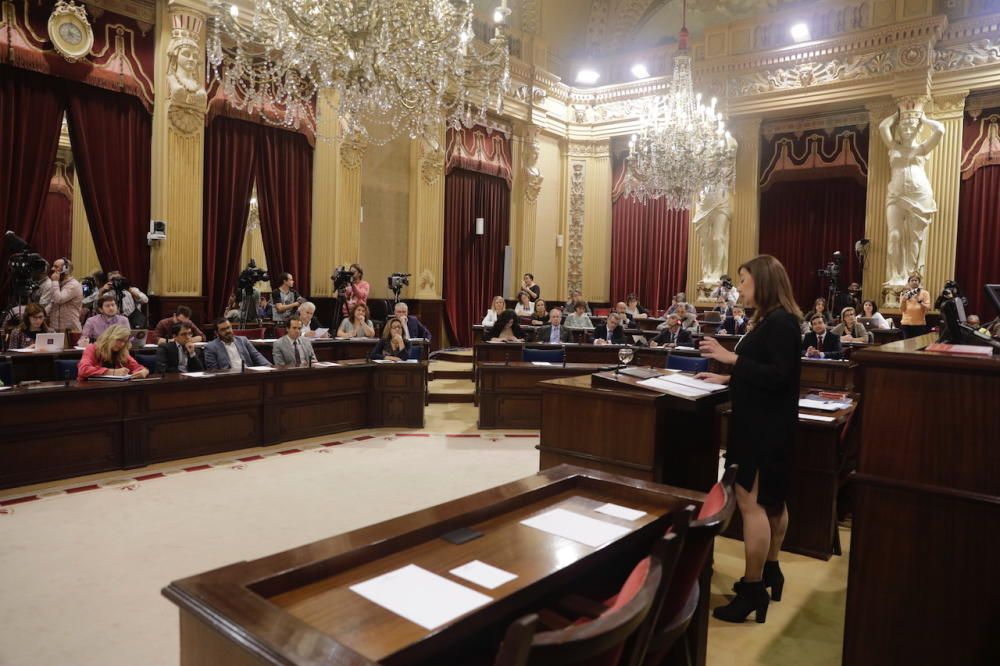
(451, 374)
(450, 397)
(454, 356)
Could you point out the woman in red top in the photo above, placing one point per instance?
(109, 356)
(357, 291)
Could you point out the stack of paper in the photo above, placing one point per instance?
(569, 525)
(620, 512)
(816, 417)
(821, 405)
(691, 382)
(661, 384)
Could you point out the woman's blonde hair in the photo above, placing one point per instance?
(387, 329)
(771, 287)
(102, 346)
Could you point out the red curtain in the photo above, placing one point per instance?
(284, 193)
(30, 118)
(803, 222)
(111, 134)
(977, 257)
(648, 251)
(54, 237)
(229, 170)
(473, 265)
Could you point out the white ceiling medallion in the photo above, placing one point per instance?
(69, 30)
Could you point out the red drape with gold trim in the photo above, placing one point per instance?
(977, 254)
(481, 150)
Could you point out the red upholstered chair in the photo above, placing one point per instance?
(602, 312)
(610, 639)
(681, 599)
(74, 338)
(251, 333)
(280, 332)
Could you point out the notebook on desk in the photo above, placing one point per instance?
(50, 342)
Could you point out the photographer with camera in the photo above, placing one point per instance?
(285, 300)
(106, 317)
(63, 297)
(913, 306)
(727, 291)
(356, 292)
(127, 297)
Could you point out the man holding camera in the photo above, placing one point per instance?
(285, 300)
(127, 297)
(62, 297)
(727, 291)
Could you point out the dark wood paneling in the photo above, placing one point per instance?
(307, 419)
(164, 306)
(431, 313)
(43, 454)
(172, 437)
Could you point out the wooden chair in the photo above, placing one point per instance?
(681, 598)
(608, 640)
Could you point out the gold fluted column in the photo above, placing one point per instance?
(589, 233)
(744, 231)
(426, 221)
(943, 173)
(326, 167)
(693, 258)
(348, 216)
(178, 148)
(524, 202)
(876, 227)
(84, 254)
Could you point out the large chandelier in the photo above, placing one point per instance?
(682, 147)
(398, 66)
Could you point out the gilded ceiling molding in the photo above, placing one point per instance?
(953, 104)
(970, 54)
(529, 16)
(628, 18)
(597, 23)
(798, 126)
(589, 148)
(809, 74)
(574, 275)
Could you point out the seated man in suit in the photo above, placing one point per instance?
(820, 343)
(736, 323)
(554, 332)
(230, 351)
(179, 354)
(293, 348)
(673, 334)
(412, 327)
(623, 315)
(610, 333)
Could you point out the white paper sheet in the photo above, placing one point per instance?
(322, 332)
(6, 388)
(420, 596)
(196, 374)
(264, 340)
(23, 351)
(816, 417)
(483, 574)
(822, 406)
(701, 384)
(259, 368)
(541, 363)
(661, 384)
(620, 512)
(573, 526)
(324, 364)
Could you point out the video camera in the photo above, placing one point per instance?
(27, 267)
(832, 270)
(342, 278)
(120, 284)
(250, 276)
(397, 281)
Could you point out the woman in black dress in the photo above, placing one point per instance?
(764, 389)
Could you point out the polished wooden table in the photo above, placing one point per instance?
(616, 425)
(822, 449)
(921, 587)
(838, 375)
(296, 607)
(56, 430)
(509, 395)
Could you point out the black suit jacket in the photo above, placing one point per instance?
(683, 337)
(730, 327)
(831, 344)
(168, 358)
(543, 333)
(617, 337)
(416, 329)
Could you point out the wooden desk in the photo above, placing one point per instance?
(828, 374)
(886, 335)
(620, 427)
(295, 607)
(56, 431)
(921, 588)
(509, 395)
(819, 457)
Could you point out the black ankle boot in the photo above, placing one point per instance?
(774, 579)
(750, 598)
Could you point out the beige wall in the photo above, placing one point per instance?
(545, 265)
(385, 197)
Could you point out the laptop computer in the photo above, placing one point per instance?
(139, 336)
(50, 342)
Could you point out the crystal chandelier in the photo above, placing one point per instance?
(682, 147)
(398, 66)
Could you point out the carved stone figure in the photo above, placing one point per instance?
(909, 204)
(533, 175)
(711, 225)
(187, 96)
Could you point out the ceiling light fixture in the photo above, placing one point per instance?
(640, 71)
(800, 32)
(588, 76)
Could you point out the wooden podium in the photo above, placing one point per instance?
(922, 587)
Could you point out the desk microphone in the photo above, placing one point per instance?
(506, 358)
(243, 366)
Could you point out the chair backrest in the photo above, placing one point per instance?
(251, 333)
(416, 352)
(601, 312)
(713, 518)
(379, 309)
(687, 363)
(550, 355)
(280, 332)
(66, 368)
(6, 373)
(74, 338)
(608, 640)
(148, 360)
(713, 316)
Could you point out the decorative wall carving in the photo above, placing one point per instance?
(532, 174)
(576, 200)
(529, 16)
(187, 97)
(808, 74)
(70, 31)
(589, 148)
(971, 54)
(351, 154)
(431, 163)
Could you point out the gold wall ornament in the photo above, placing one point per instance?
(431, 163)
(352, 153)
(574, 275)
(185, 88)
(808, 74)
(971, 54)
(533, 177)
(70, 31)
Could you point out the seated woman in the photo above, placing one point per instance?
(357, 325)
(108, 355)
(498, 306)
(540, 316)
(524, 306)
(393, 345)
(633, 309)
(506, 328)
(32, 323)
(850, 329)
(579, 318)
(871, 312)
(819, 308)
